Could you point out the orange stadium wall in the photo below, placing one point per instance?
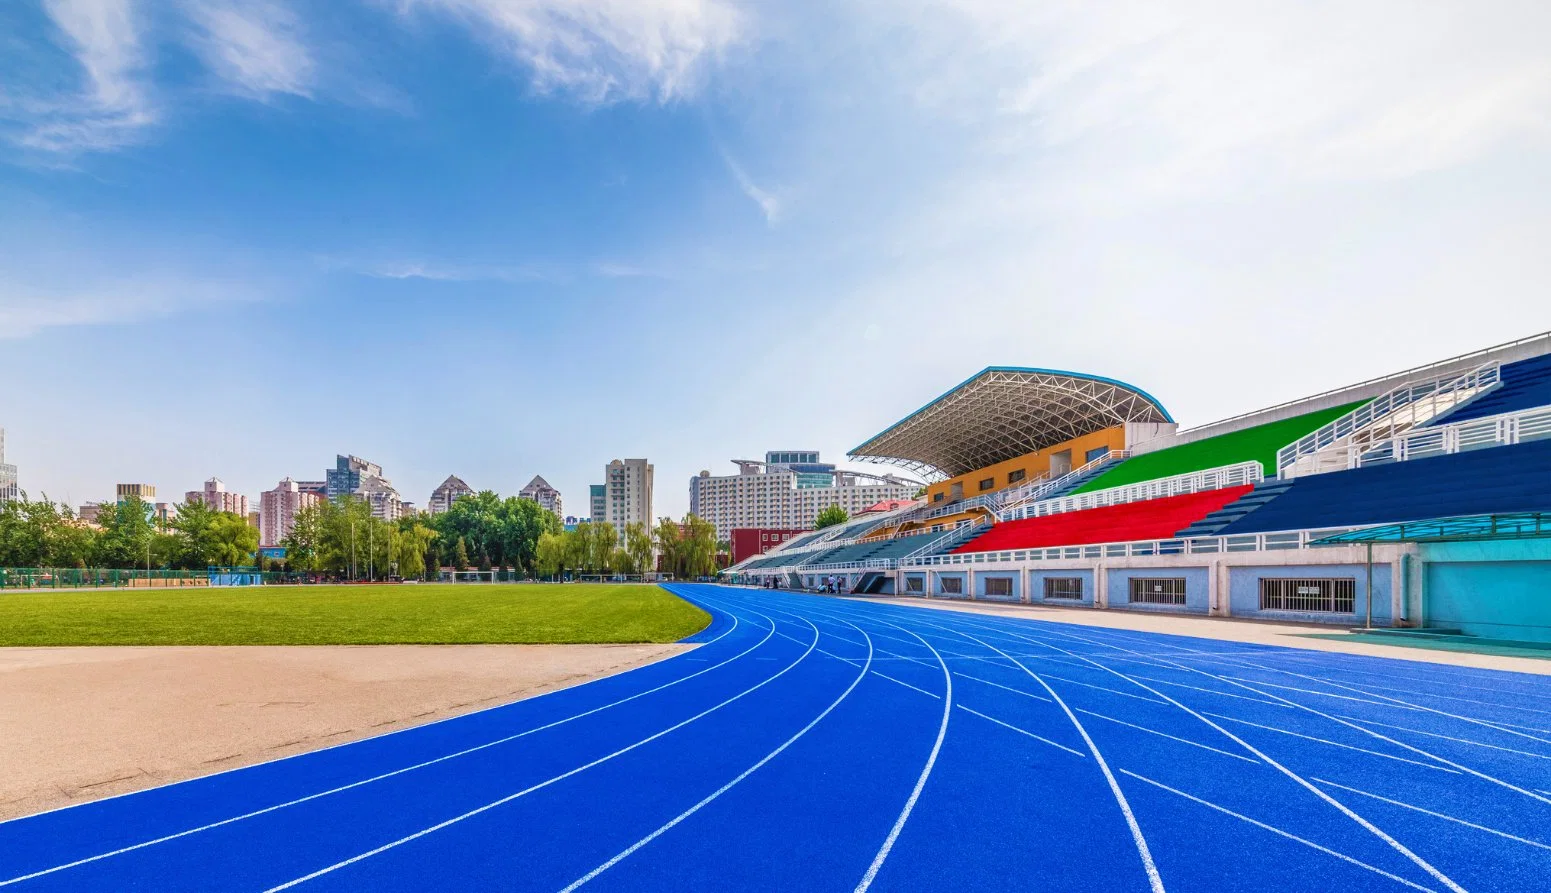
(1031, 464)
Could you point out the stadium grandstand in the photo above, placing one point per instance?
(1079, 490)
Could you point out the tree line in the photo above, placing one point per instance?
(42, 533)
(688, 549)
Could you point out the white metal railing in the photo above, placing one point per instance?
(1393, 412)
(1409, 375)
(1235, 475)
(950, 539)
(1488, 431)
(1241, 542)
(1013, 499)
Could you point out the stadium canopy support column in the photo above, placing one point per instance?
(1397, 589)
(1368, 595)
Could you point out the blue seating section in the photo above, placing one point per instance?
(877, 550)
(1490, 480)
(1525, 385)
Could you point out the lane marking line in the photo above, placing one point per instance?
(1375, 753)
(1449, 818)
(1385, 725)
(355, 784)
(543, 784)
(1295, 777)
(907, 685)
(1016, 691)
(1278, 831)
(1007, 725)
(926, 771)
(668, 826)
(1225, 753)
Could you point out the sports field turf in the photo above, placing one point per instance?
(430, 614)
(818, 744)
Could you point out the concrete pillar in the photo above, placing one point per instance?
(1218, 592)
(969, 584)
(1397, 588)
(1100, 585)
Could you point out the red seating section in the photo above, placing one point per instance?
(1154, 519)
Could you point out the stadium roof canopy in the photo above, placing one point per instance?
(1003, 412)
(1462, 529)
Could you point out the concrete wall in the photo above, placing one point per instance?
(1499, 590)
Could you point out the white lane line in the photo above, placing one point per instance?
(1016, 691)
(375, 778)
(1149, 867)
(1168, 736)
(668, 826)
(543, 784)
(1123, 694)
(1351, 724)
(1008, 725)
(926, 772)
(907, 685)
(1245, 722)
(1385, 725)
(1212, 691)
(1278, 831)
(1302, 782)
(1439, 815)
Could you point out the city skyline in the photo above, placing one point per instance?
(453, 239)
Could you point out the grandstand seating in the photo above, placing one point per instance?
(1525, 385)
(1148, 520)
(875, 550)
(1494, 479)
(1256, 443)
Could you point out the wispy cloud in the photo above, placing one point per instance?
(769, 203)
(114, 102)
(603, 51)
(27, 310)
(434, 271)
(256, 47)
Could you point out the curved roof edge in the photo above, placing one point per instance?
(1035, 370)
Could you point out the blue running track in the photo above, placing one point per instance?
(811, 743)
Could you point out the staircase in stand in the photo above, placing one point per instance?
(1264, 492)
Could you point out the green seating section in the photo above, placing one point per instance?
(1260, 442)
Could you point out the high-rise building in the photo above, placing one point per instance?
(542, 493)
(146, 492)
(9, 488)
(627, 493)
(218, 498)
(598, 503)
(445, 495)
(278, 509)
(775, 496)
(354, 476)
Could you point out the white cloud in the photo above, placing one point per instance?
(605, 50)
(26, 310)
(115, 103)
(769, 203)
(254, 46)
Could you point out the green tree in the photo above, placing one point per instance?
(125, 540)
(637, 554)
(460, 556)
(830, 516)
(303, 543)
(670, 544)
(233, 541)
(552, 555)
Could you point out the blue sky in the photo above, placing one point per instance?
(500, 239)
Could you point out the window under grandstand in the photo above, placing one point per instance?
(1063, 587)
(952, 585)
(1335, 595)
(1158, 590)
(998, 586)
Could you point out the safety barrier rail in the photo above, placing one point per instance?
(1235, 475)
(1013, 499)
(1393, 412)
(1243, 542)
(1488, 431)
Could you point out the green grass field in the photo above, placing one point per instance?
(350, 615)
